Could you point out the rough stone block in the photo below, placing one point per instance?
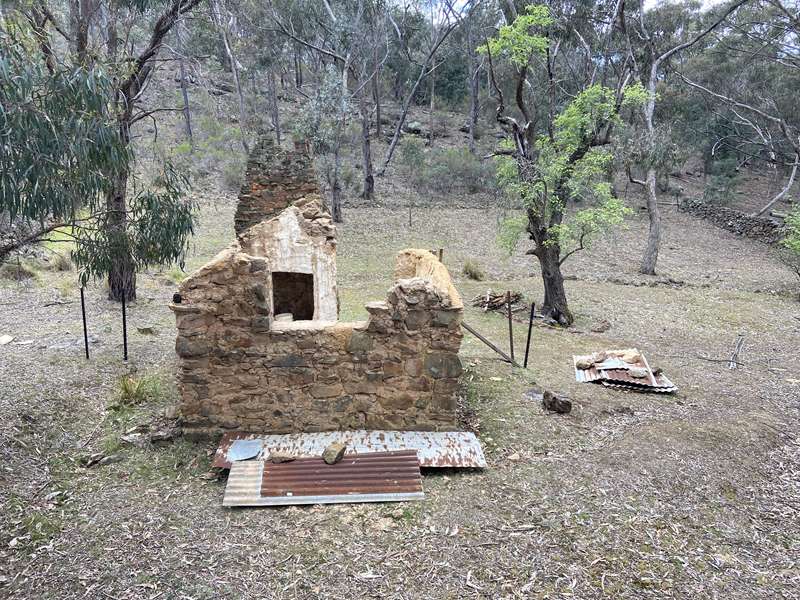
(441, 365)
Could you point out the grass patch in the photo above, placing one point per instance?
(134, 391)
(17, 271)
(473, 270)
(61, 262)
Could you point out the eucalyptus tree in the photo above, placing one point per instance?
(751, 75)
(353, 36)
(557, 152)
(655, 48)
(123, 39)
(62, 154)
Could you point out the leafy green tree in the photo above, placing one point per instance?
(62, 154)
(566, 163)
(791, 243)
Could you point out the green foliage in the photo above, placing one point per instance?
(792, 239)
(60, 154)
(456, 170)
(473, 270)
(412, 156)
(510, 232)
(722, 179)
(59, 143)
(133, 392)
(444, 170)
(568, 168)
(323, 119)
(160, 220)
(520, 40)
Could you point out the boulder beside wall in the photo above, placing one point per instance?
(239, 369)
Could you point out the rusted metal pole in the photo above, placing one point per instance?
(490, 344)
(85, 333)
(124, 329)
(530, 327)
(441, 254)
(510, 324)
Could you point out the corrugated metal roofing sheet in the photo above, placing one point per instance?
(620, 377)
(434, 448)
(372, 477)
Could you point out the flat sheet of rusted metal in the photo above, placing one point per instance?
(434, 448)
(372, 477)
(615, 373)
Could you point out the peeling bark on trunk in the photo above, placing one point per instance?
(650, 256)
(187, 115)
(376, 91)
(366, 148)
(275, 115)
(122, 276)
(473, 105)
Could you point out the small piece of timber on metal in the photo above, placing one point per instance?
(510, 325)
(124, 329)
(490, 344)
(85, 333)
(530, 328)
(435, 449)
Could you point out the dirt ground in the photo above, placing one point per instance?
(693, 495)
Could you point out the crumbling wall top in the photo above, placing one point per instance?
(275, 179)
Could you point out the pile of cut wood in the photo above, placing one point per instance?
(492, 300)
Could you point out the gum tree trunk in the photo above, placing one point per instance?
(122, 275)
(366, 148)
(555, 296)
(650, 256)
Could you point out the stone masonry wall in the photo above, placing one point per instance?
(274, 179)
(238, 370)
(762, 229)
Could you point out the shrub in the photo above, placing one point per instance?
(457, 170)
(473, 270)
(132, 392)
(61, 262)
(790, 253)
(722, 181)
(17, 271)
(412, 156)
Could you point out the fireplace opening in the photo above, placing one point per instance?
(293, 293)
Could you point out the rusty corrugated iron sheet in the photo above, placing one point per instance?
(434, 448)
(372, 477)
(614, 372)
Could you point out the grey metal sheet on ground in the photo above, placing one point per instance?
(244, 449)
(434, 448)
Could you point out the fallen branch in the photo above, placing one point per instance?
(735, 355)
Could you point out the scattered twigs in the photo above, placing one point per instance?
(56, 303)
(505, 356)
(733, 362)
(716, 360)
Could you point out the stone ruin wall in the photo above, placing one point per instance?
(238, 370)
(274, 179)
(762, 229)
